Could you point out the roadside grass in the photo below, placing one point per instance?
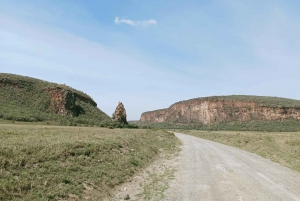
(157, 183)
(39, 162)
(283, 148)
(151, 183)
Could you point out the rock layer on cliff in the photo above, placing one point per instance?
(226, 109)
(63, 101)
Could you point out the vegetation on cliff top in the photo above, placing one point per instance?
(261, 100)
(25, 99)
(159, 110)
(33, 84)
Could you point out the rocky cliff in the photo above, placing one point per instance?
(63, 101)
(225, 109)
(24, 97)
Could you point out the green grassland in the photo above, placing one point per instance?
(28, 102)
(254, 125)
(39, 162)
(283, 148)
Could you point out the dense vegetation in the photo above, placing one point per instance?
(283, 148)
(255, 125)
(31, 84)
(25, 99)
(52, 163)
(261, 100)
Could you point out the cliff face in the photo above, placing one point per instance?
(213, 110)
(63, 102)
(157, 116)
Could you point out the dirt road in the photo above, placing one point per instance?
(212, 171)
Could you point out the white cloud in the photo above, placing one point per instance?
(136, 23)
(129, 22)
(58, 56)
(148, 22)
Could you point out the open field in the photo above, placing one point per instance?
(39, 162)
(283, 148)
(254, 125)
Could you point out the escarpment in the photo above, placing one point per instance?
(29, 98)
(63, 101)
(156, 116)
(226, 109)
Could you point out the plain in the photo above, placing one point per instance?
(39, 162)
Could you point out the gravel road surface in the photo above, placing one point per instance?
(212, 171)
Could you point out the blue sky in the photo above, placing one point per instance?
(150, 54)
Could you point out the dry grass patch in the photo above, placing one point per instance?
(283, 148)
(52, 163)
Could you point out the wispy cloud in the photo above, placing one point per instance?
(136, 23)
(231, 48)
(55, 55)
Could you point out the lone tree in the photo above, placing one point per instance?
(120, 114)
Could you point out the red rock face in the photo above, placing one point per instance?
(212, 111)
(58, 101)
(157, 116)
(63, 102)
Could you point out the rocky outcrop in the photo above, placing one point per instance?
(218, 109)
(156, 116)
(25, 98)
(63, 99)
(64, 102)
(120, 114)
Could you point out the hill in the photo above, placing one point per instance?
(31, 100)
(228, 113)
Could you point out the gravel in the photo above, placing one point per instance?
(212, 171)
